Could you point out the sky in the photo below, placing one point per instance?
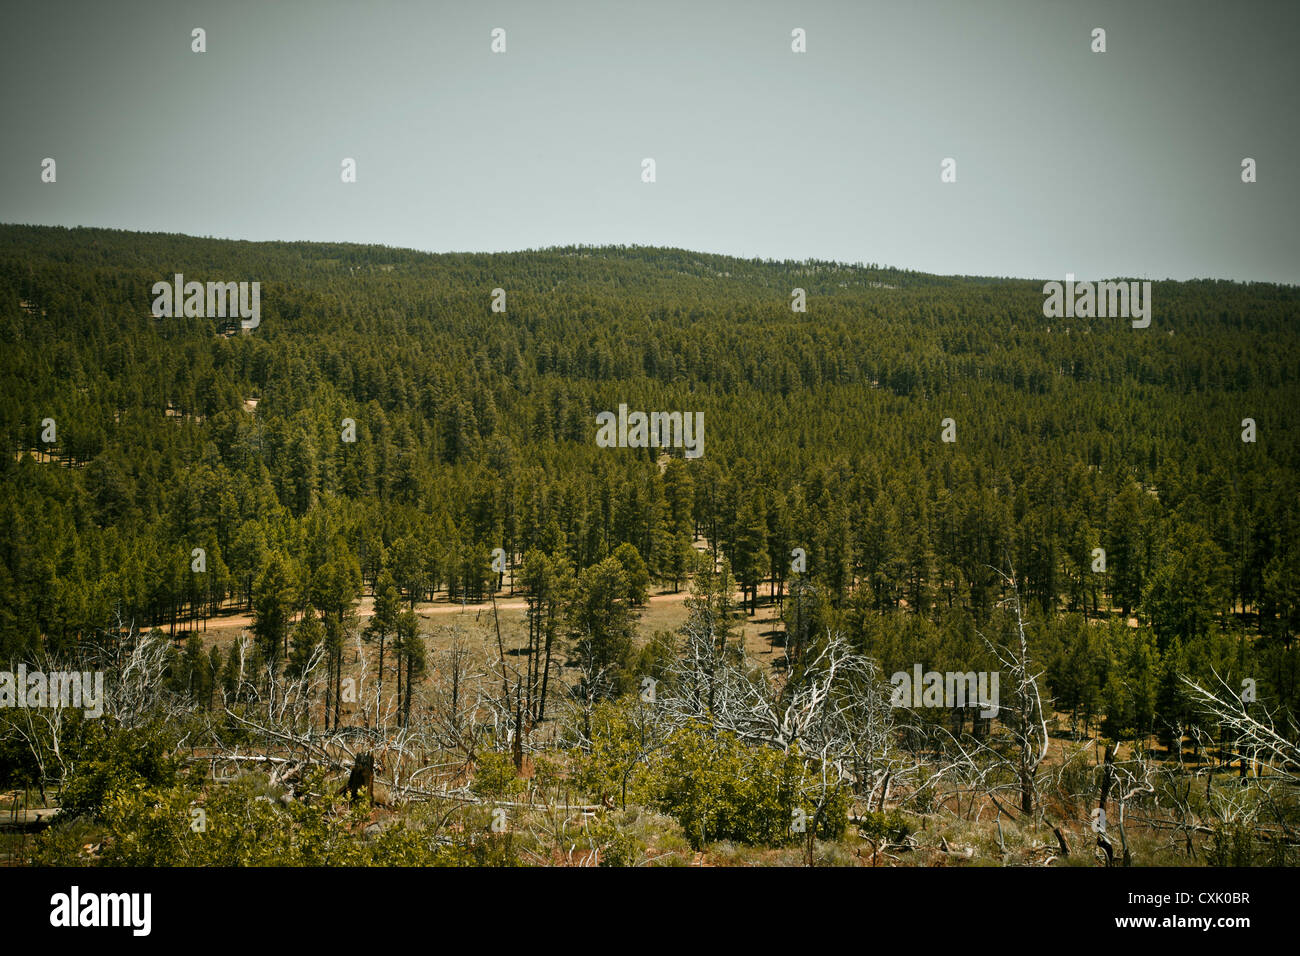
(1122, 163)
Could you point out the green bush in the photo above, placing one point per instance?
(495, 776)
(107, 759)
(614, 842)
(240, 825)
(719, 788)
(881, 827)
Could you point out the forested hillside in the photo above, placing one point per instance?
(824, 431)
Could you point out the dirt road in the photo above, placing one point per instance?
(241, 621)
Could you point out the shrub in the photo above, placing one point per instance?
(108, 759)
(881, 827)
(495, 776)
(719, 788)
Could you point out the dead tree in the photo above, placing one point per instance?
(1275, 749)
(1025, 716)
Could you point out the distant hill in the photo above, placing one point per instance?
(476, 427)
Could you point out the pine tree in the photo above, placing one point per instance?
(308, 636)
(750, 559)
(409, 650)
(273, 598)
(602, 625)
(383, 625)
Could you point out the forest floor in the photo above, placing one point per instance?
(444, 621)
(664, 611)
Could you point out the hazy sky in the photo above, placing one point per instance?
(1122, 163)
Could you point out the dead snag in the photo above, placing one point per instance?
(361, 776)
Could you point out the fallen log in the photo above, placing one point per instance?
(28, 821)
